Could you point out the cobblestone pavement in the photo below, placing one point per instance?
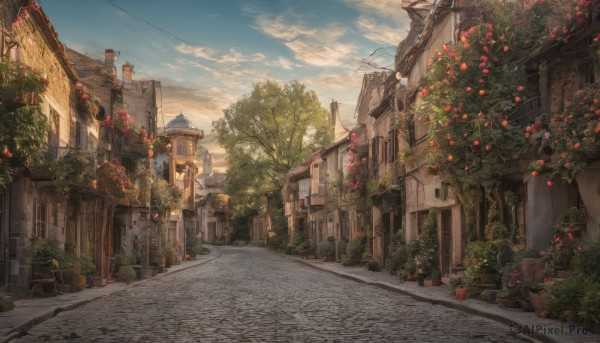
(253, 295)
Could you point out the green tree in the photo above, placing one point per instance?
(267, 133)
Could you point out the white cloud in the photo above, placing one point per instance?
(278, 28)
(235, 57)
(385, 8)
(258, 57)
(197, 51)
(285, 63)
(315, 46)
(333, 55)
(380, 32)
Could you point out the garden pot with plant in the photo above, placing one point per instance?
(462, 292)
(436, 278)
(421, 279)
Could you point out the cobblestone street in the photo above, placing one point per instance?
(251, 294)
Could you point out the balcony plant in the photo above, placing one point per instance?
(74, 171)
(24, 127)
(121, 125)
(87, 103)
(112, 179)
(20, 84)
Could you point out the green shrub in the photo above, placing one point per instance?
(427, 258)
(505, 254)
(355, 250)
(589, 262)
(278, 242)
(326, 249)
(373, 266)
(481, 257)
(6, 303)
(567, 298)
(123, 259)
(192, 246)
(589, 312)
(398, 253)
(127, 274)
(44, 250)
(82, 263)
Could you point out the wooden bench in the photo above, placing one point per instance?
(43, 279)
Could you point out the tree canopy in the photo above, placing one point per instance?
(267, 133)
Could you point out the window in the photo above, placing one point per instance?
(314, 179)
(40, 220)
(184, 146)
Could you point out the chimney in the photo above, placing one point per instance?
(335, 112)
(127, 72)
(109, 63)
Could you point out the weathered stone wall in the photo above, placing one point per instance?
(37, 52)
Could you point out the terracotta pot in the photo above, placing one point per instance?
(461, 292)
(411, 276)
(435, 282)
(539, 301)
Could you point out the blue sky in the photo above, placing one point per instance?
(209, 53)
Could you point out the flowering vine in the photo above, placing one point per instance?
(357, 176)
(576, 132)
(86, 102)
(24, 12)
(112, 179)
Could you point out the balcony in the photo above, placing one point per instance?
(527, 112)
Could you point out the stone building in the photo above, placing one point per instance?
(129, 232)
(179, 163)
(30, 206)
(213, 213)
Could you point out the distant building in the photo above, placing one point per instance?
(215, 224)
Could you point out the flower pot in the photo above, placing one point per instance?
(436, 282)
(461, 292)
(421, 282)
(539, 301)
(411, 276)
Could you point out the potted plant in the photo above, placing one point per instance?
(508, 298)
(410, 267)
(460, 286)
(436, 278)
(538, 297)
(481, 261)
(421, 279)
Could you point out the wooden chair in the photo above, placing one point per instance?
(44, 279)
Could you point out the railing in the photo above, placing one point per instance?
(527, 112)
